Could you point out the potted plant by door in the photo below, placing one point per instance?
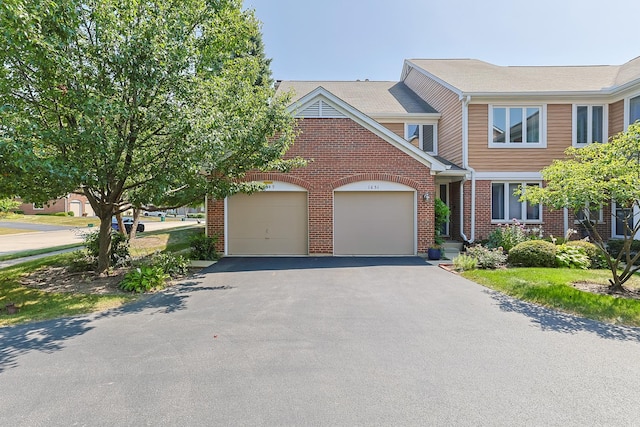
(440, 218)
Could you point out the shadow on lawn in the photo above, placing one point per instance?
(49, 336)
(551, 320)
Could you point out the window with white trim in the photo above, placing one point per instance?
(516, 126)
(634, 109)
(623, 214)
(423, 136)
(38, 206)
(506, 206)
(595, 214)
(589, 124)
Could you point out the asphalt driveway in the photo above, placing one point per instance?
(321, 341)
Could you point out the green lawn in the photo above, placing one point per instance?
(52, 220)
(37, 305)
(551, 287)
(5, 231)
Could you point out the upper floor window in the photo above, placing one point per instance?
(634, 109)
(422, 136)
(505, 205)
(516, 126)
(589, 124)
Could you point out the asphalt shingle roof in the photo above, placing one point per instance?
(474, 76)
(370, 97)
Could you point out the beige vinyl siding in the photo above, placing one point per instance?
(397, 128)
(485, 159)
(616, 118)
(449, 105)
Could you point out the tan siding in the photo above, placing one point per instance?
(397, 128)
(616, 118)
(485, 159)
(449, 105)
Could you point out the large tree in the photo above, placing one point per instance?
(597, 175)
(135, 102)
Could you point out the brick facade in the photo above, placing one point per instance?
(340, 152)
(58, 205)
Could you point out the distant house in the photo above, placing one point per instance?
(463, 130)
(76, 203)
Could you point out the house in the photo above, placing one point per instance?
(72, 202)
(463, 130)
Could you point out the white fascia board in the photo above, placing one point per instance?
(424, 72)
(508, 176)
(369, 124)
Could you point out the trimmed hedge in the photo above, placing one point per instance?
(533, 253)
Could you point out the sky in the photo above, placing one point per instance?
(358, 39)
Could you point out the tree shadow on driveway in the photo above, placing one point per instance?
(234, 264)
(49, 336)
(551, 320)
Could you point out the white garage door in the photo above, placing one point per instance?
(76, 207)
(88, 209)
(268, 223)
(374, 223)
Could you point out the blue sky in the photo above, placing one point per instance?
(357, 39)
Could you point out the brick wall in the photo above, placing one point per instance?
(341, 152)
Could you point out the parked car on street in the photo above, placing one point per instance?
(128, 223)
(155, 213)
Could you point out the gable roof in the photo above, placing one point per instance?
(471, 76)
(349, 111)
(374, 98)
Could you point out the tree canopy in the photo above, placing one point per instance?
(599, 174)
(135, 102)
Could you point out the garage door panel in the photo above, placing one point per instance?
(269, 223)
(374, 223)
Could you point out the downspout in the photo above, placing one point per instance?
(465, 163)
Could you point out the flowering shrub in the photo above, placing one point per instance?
(568, 256)
(506, 236)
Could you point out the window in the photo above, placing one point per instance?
(595, 214)
(38, 206)
(634, 109)
(506, 206)
(623, 215)
(516, 126)
(589, 124)
(422, 136)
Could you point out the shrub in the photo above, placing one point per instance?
(571, 256)
(465, 262)
(173, 265)
(592, 251)
(59, 214)
(70, 213)
(533, 253)
(81, 261)
(203, 247)
(487, 258)
(615, 246)
(507, 236)
(119, 246)
(144, 279)
(195, 215)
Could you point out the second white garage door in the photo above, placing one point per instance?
(268, 223)
(374, 223)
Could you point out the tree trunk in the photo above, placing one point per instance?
(134, 226)
(121, 228)
(104, 241)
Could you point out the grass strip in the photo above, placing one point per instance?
(551, 287)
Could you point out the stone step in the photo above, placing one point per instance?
(451, 245)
